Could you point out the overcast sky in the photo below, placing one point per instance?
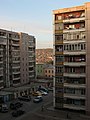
(33, 17)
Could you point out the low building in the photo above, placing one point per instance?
(40, 70)
(48, 71)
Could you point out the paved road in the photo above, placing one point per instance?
(29, 107)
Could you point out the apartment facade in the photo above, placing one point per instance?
(72, 58)
(40, 70)
(28, 60)
(11, 58)
(48, 71)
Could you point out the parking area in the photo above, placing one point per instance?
(26, 106)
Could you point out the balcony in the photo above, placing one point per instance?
(74, 75)
(1, 74)
(1, 55)
(74, 107)
(58, 42)
(1, 62)
(74, 20)
(58, 31)
(31, 76)
(1, 49)
(73, 30)
(16, 39)
(58, 52)
(83, 52)
(58, 74)
(1, 68)
(1, 36)
(16, 49)
(1, 81)
(14, 61)
(72, 41)
(16, 78)
(58, 94)
(15, 44)
(58, 21)
(74, 96)
(75, 63)
(73, 85)
(59, 63)
(15, 67)
(17, 72)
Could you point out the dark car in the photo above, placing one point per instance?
(17, 113)
(3, 108)
(25, 98)
(38, 99)
(15, 105)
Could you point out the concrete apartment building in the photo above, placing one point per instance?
(28, 60)
(72, 58)
(17, 58)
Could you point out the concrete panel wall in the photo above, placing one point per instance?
(87, 25)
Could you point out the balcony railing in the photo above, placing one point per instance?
(83, 52)
(74, 96)
(75, 63)
(74, 74)
(70, 85)
(73, 30)
(74, 107)
(73, 20)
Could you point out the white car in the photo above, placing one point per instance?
(43, 92)
(38, 99)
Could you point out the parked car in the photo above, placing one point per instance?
(25, 98)
(15, 105)
(17, 113)
(43, 92)
(3, 108)
(43, 89)
(38, 99)
(37, 93)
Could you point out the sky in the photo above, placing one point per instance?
(34, 17)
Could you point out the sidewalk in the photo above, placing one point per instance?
(54, 114)
(49, 113)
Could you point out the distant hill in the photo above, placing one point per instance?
(44, 55)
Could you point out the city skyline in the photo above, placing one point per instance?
(33, 17)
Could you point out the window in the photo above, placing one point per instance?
(59, 48)
(58, 26)
(59, 69)
(46, 71)
(59, 58)
(59, 79)
(59, 17)
(58, 37)
(77, 36)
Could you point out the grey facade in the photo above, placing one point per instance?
(72, 58)
(27, 54)
(11, 58)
